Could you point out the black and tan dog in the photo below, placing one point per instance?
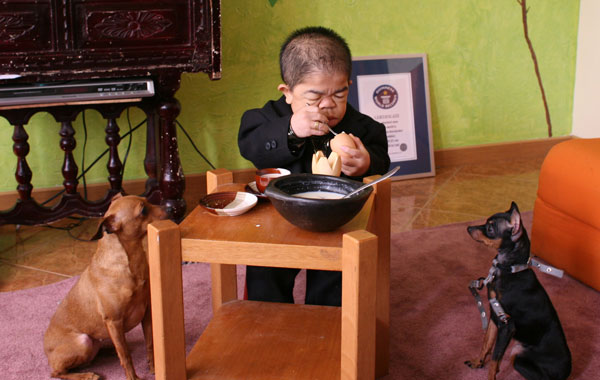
(520, 307)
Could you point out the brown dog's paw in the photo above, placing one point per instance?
(77, 375)
(475, 363)
(90, 376)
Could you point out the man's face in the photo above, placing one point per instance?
(328, 91)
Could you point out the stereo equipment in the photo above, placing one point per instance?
(75, 92)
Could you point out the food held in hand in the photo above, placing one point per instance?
(327, 166)
(342, 139)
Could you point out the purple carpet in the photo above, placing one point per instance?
(435, 325)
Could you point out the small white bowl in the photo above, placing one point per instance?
(230, 203)
(264, 176)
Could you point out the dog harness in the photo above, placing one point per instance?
(476, 285)
(552, 271)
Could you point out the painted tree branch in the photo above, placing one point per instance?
(524, 10)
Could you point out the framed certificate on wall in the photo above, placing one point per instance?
(394, 90)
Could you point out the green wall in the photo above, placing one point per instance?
(483, 88)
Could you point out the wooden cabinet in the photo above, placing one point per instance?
(64, 40)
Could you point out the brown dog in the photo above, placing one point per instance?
(111, 297)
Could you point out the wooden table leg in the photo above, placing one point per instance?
(359, 270)
(166, 295)
(382, 230)
(224, 284)
(380, 225)
(216, 178)
(223, 276)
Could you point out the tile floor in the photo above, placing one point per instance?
(34, 256)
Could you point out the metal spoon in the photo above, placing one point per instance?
(385, 176)
(331, 130)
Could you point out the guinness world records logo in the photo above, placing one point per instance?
(385, 96)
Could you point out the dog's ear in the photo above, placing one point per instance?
(513, 206)
(515, 222)
(107, 224)
(116, 196)
(99, 233)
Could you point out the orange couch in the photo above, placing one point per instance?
(566, 215)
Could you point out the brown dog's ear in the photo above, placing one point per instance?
(99, 231)
(116, 196)
(107, 224)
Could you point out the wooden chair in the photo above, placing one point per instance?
(262, 340)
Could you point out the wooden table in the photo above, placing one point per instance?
(262, 340)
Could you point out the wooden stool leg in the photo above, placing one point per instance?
(216, 178)
(382, 230)
(359, 270)
(223, 276)
(380, 226)
(224, 284)
(166, 296)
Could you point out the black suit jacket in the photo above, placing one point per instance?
(263, 139)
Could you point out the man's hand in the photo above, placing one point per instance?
(358, 161)
(309, 121)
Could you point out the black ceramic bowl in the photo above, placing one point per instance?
(316, 214)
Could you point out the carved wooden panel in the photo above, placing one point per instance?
(25, 26)
(78, 39)
(132, 24)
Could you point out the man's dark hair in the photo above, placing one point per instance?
(311, 49)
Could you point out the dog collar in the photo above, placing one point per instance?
(520, 267)
(498, 310)
(478, 284)
(474, 287)
(544, 268)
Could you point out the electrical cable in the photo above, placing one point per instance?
(69, 227)
(92, 164)
(128, 145)
(194, 145)
(85, 138)
(129, 134)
